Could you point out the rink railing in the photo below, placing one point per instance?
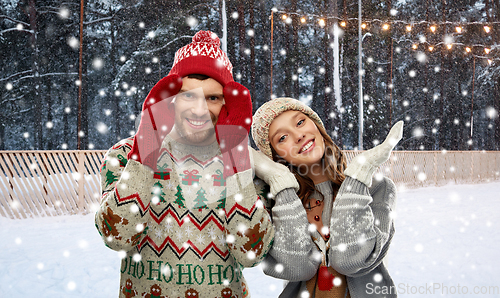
(51, 183)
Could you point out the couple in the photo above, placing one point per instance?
(178, 200)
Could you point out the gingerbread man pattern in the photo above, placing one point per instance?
(154, 292)
(109, 224)
(191, 293)
(127, 289)
(255, 237)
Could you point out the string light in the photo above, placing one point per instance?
(409, 27)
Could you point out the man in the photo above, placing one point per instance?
(177, 198)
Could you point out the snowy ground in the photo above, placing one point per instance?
(446, 244)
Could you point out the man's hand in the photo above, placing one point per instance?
(157, 120)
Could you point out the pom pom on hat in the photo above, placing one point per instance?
(208, 37)
(265, 115)
(203, 56)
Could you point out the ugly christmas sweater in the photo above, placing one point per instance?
(183, 231)
(361, 230)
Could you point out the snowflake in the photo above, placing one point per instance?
(159, 233)
(302, 242)
(300, 237)
(349, 224)
(367, 219)
(212, 232)
(191, 21)
(168, 227)
(281, 235)
(188, 191)
(188, 231)
(200, 239)
(221, 240)
(179, 235)
(170, 184)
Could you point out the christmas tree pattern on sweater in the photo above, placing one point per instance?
(184, 244)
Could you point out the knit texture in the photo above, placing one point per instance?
(364, 165)
(276, 175)
(292, 256)
(184, 230)
(203, 56)
(358, 213)
(361, 230)
(268, 112)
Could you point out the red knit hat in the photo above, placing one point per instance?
(203, 56)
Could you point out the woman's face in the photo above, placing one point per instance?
(296, 138)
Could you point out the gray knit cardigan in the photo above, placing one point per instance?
(361, 230)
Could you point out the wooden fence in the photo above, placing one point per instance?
(51, 183)
(48, 183)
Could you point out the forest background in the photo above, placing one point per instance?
(433, 63)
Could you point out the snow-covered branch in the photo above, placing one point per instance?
(12, 99)
(25, 110)
(109, 18)
(100, 20)
(14, 20)
(18, 30)
(16, 74)
(46, 75)
(58, 74)
(127, 67)
(138, 53)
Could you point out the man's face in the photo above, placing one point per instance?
(197, 108)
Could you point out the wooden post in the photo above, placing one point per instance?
(272, 35)
(472, 100)
(81, 181)
(80, 78)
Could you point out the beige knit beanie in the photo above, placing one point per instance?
(268, 112)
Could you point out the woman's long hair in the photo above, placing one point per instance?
(333, 161)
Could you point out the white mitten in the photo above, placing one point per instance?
(276, 175)
(365, 164)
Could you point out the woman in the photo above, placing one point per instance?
(332, 236)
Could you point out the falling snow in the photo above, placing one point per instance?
(447, 235)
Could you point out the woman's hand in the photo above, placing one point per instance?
(365, 164)
(276, 175)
